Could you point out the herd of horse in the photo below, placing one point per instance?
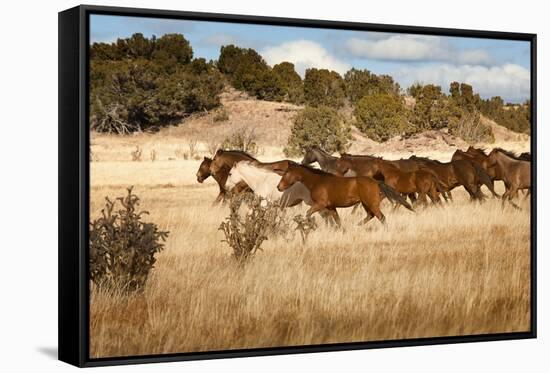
(365, 180)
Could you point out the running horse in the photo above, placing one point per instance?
(459, 172)
(219, 167)
(330, 191)
(515, 172)
(423, 181)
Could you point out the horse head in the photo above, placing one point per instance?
(291, 176)
(310, 156)
(204, 170)
(343, 165)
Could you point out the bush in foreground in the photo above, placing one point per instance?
(122, 246)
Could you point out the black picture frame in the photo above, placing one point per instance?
(74, 190)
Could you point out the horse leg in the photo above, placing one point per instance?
(504, 197)
(313, 209)
(512, 192)
(434, 195)
(376, 211)
(219, 198)
(422, 199)
(336, 217)
(370, 215)
(326, 215)
(355, 208)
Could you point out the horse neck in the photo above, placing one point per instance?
(325, 160)
(309, 179)
(260, 181)
(505, 161)
(386, 168)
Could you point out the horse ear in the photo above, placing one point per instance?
(219, 151)
(207, 159)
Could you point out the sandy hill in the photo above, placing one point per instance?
(271, 123)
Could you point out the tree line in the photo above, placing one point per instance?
(141, 83)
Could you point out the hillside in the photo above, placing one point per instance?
(270, 122)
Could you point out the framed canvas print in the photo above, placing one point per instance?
(239, 186)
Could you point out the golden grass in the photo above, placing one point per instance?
(458, 270)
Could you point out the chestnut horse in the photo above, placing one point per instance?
(331, 192)
(423, 181)
(461, 171)
(219, 167)
(366, 165)
(515, 173)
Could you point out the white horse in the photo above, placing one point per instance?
(264, 184)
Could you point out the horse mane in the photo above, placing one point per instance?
(414, 157)
(324, 152)
(478, 150)
(360, 156)
(257, 167)
(241, 152)
(509, 154)
(309, 168)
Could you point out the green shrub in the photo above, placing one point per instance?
(324, 88)
(290, 82)
(122, 246)
(135, 95)
(318, 126)
(361, 83)
(248, 71)
(381, 116)
(433, 110)
(515, 118)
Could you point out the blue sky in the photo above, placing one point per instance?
(493, 67)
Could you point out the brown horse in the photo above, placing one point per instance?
(331, 192)
(515, 173)
(459, 172)
(326, 161)
(477, 156)
(366, 165)
(423, 181)
(219, 168)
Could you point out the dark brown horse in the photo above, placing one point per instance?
(219, 168)
(423, 181)
(331, 192)
(326, 161)
(459, 172)
(366, 165)
(515, 173)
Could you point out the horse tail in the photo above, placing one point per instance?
(393, 195)
(484, 178)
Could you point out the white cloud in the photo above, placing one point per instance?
(304, 54)
(415, 48)
(510, 81)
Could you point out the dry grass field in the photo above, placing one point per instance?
(458, 270)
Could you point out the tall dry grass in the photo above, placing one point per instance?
(458, 270)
